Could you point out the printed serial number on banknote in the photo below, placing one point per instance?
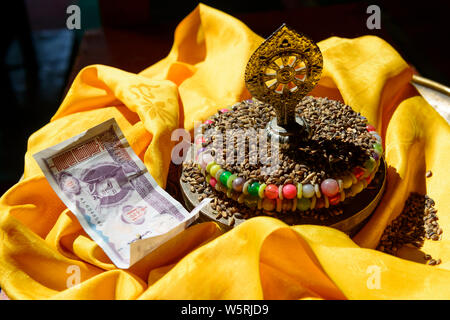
(108, 188)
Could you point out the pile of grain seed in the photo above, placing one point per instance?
(416, 222)
(339, 142)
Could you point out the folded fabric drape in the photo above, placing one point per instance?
(45, 254)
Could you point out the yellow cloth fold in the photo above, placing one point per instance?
(45, 254)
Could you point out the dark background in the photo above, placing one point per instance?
(40, 57)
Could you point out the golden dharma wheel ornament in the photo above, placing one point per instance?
(281, 71)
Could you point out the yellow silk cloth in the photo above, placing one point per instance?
(44, 251)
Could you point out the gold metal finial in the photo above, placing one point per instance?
(282, 70)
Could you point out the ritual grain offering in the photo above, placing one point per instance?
(284, 153)
(107, 187)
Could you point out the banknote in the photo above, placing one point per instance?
(109, 189)
(3, 295)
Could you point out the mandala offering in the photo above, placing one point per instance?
(338, 162)
(283, 151)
